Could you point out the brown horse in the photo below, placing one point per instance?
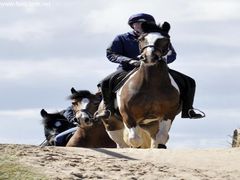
(90, 133)
(149, 100)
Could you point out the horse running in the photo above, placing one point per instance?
(149, 100)
(90, 133)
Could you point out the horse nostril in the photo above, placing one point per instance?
(87, 120)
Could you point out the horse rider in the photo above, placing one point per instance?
(124, 50)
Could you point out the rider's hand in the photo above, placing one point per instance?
(134, 62)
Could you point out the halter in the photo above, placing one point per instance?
(142, 58)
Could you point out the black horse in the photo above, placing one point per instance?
(54, 123)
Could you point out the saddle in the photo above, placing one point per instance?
(118, 80)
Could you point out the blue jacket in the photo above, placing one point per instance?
(125, 47)
(69, 114)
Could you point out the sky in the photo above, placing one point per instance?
(49, 46)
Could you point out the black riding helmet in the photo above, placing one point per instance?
(141, 17)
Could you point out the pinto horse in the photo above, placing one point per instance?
(90, 133)
(150, 99)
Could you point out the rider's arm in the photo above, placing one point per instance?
(115, 51)
(69, 114)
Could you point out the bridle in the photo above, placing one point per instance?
(89, 118)
(162, 52)
(147, 46)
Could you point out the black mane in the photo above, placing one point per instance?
(149, 27)
(80, 94)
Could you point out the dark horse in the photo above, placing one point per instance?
(149, 100)
(90, 133)
(54, 124)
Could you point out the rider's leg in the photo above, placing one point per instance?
(107, 100)
(187, 88)
(107, 85)
(106, 92)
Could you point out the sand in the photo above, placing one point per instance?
(83, 163)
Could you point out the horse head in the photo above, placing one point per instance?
(54, 123)
(84, 104)
(153, 43)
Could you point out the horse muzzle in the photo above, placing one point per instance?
(84, 119)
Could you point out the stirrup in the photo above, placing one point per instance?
(201, 113)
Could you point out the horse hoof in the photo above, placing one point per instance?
(162, 146)
(135, 142)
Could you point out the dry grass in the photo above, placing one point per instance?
(10, 168)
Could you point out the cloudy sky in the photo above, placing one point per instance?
(49, 46)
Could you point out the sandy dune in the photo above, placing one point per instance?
(80, 163)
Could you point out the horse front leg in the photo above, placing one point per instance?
(118, 137)
(152, 128)
(115, 129)
(132, 132)
(162, 135)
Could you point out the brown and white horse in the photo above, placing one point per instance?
(90, 133)
(149, 100)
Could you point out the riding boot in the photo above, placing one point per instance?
(108, 105)
(188, 97)
(187, 88)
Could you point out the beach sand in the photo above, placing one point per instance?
(102, 163)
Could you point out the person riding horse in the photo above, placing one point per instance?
(124, 50)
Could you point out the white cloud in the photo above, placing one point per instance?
(20, 114)
(219, 10)
(17, 70)
(25, 30)
(21, 126)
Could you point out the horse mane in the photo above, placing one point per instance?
(149, 27)
(80, 94)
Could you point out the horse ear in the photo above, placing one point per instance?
(73, 91)
(166, 27)
(43, 113)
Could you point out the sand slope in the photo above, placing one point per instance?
(81, 163)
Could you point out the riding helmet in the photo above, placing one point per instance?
(141, 17)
